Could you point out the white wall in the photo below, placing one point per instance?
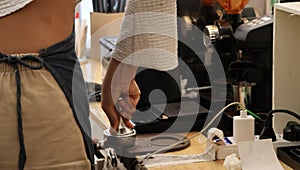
(85, 7)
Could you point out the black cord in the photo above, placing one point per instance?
(285, 111)
(268, 131)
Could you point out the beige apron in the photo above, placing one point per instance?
(52, 138)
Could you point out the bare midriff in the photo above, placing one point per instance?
(38, 25)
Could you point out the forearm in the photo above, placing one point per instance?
(120, 72)
(118, 81)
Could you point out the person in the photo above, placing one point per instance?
(148, 38)
(44, 107)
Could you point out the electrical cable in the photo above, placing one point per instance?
(285, 111)
(253, 114)
(149, 155)
(268, 131)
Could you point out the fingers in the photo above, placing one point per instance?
(134, 93)
(95, 140)
(128, 123)
(112, 114)
(119, 82)
(122, 108)
(125, 107)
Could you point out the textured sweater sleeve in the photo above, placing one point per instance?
(77, 1)
(8, 6)
(148, 35)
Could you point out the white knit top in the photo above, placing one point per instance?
(10, 6)
(148, 35)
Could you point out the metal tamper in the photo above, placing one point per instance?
(124, 138)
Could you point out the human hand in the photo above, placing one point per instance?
(120, 93)
(127, 101)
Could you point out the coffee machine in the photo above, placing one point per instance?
(243, 41)
(249, 52)
(255, 38)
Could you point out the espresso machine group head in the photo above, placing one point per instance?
(244, 44)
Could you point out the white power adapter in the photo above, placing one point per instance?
(243, 127)
(243, 130)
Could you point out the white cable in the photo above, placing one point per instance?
(149, 155)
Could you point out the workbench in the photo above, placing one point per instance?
(92, 73)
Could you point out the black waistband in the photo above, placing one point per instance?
(60, 47)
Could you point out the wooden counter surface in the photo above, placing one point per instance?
(196, 148)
